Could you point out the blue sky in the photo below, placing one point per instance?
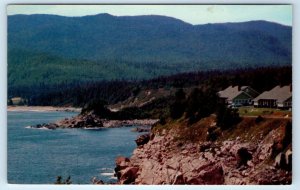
(194, 14)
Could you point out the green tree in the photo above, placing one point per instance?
(227, 117)
(177, 108)
(97, 106)
(200, 104)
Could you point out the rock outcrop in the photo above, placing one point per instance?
(142, 139)
(93, 121)
(81, 121)
(284, 160)
(165, 160)
(51, 126)
(141, 129)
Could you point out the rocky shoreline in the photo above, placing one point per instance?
(92, 121)
(163, 160)
(160, 158)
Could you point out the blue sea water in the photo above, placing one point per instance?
(37, 156)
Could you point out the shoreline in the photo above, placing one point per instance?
(42, 108)
(85, 121)
(124, 123)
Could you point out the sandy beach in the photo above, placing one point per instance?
(42, 108)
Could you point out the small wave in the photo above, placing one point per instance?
(107, 174)
(107, 169)
(93, 128)
(40, 128)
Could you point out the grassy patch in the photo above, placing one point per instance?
(248, 130)
(252, 111)
(195, 132)
(185, 132)
(170, 124)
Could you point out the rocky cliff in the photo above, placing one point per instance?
(253, 152)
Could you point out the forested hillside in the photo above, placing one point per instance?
(51, 50)
(162, 88)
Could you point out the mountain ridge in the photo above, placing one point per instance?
(141, 47)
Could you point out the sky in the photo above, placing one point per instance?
(193, 14)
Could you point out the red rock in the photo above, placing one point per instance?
(120, 159)
(161, 161)
(124, 165)
(142, 139)
(204, 146)
(121, 163)
(128, 175)
(213, 176)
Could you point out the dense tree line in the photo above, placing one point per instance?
(203, 101)
(75, 94)
(261, 78)
(80, 93)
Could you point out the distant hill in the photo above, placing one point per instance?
(48, 49)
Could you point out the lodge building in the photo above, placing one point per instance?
(237, 95)
(278, 97)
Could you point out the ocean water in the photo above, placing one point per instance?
(37, 156)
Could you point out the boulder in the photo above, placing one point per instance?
(152, 135)
(97, 182)
(128, 175)
(142, 139)
(284, 160)
(212, 175)
(89, 121)
(280, 161)
(267, 177)
(243, 156)
(205, 146)
(52, 126)
(121, 159)
(288, 158)
(121, 163)
(79, 124)
(178, 180)
(147, 176)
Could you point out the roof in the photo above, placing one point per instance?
(229, 92)
(250, 91)
(233, 91)
(278, 93)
